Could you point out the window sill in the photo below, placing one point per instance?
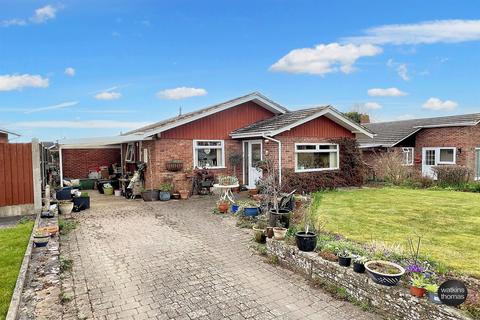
(315, 170)
(210, 168)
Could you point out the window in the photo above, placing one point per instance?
(408, 154)
(130, 155)
(208, 153)
(446, 156)
(316, 157)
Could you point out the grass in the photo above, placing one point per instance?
(449, 221)
(13, 243)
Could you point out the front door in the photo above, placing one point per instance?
(252, 155)
(429, 160)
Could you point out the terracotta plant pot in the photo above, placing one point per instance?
(183, 194)
(223, 206)
(417, 292)
(279, 233)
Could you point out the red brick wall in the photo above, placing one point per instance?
(165, 150)
(77, 162)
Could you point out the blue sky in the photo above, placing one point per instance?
(93, 68)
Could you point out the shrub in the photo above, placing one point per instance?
(388, 166)
(351, 171)
(451, 175)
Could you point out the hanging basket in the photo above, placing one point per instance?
(174, 166)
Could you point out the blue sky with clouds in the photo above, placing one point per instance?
(93, 68)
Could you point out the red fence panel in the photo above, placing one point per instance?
(16, 174)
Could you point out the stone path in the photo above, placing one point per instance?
(175, 260)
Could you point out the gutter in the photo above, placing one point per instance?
(279, 157)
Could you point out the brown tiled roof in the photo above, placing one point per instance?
(390, 133)
(278, 122)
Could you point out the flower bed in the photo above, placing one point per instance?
(391, 301)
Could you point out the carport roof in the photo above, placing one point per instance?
(98, 141)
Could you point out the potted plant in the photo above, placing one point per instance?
(174, 165)
(418, 283)
(279, 233)
(344, 258)
(183, 194)
(227, 180)
(384, 272)
(359, 264)
(41, 238)
(223, 206)
(259, 232)
(306, 240)
(65, 207)
(270, 233)
(248, 207)
(432, 290)
(234, 208)
(165, 189)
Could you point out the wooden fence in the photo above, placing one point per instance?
(16, 174)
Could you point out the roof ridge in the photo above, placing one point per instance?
(426, 118)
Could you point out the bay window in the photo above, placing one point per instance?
(208, 153)
(316, 157)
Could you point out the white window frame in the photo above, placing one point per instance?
(317, 150)
(477, 168)
(195, 148)
(406, 150)
(438, 150)
(131, 146)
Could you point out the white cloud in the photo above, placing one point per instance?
(428, 32)
(324, 59)
(108, 95)
(44, 14)
(439, 105)
(181, 93)
(98, 124)
(16, 82)
(41, 15)
(13, 22)
(372, 105)
(70, 71)
(57, 106)
(387, 92)
(402, 71)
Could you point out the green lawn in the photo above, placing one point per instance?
(13, 242)
(449, 221)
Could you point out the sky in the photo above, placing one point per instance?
(71, 69)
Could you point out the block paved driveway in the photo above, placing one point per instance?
(176, 260)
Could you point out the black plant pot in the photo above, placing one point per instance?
(358, 267)
(344, 261)
(81, 203)
(150, 195)
(306, 241)
(282, 218)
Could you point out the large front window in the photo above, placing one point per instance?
(316, 157)
(208, 153)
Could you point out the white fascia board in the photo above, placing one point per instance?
(256, 98)
(101, 141)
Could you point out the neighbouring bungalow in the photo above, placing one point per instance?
(300, 141)
(428, 142)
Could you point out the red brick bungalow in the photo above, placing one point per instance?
(299, 140)
(428, 142)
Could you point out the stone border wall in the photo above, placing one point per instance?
(391, 301)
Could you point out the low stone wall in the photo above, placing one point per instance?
(391, 301)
